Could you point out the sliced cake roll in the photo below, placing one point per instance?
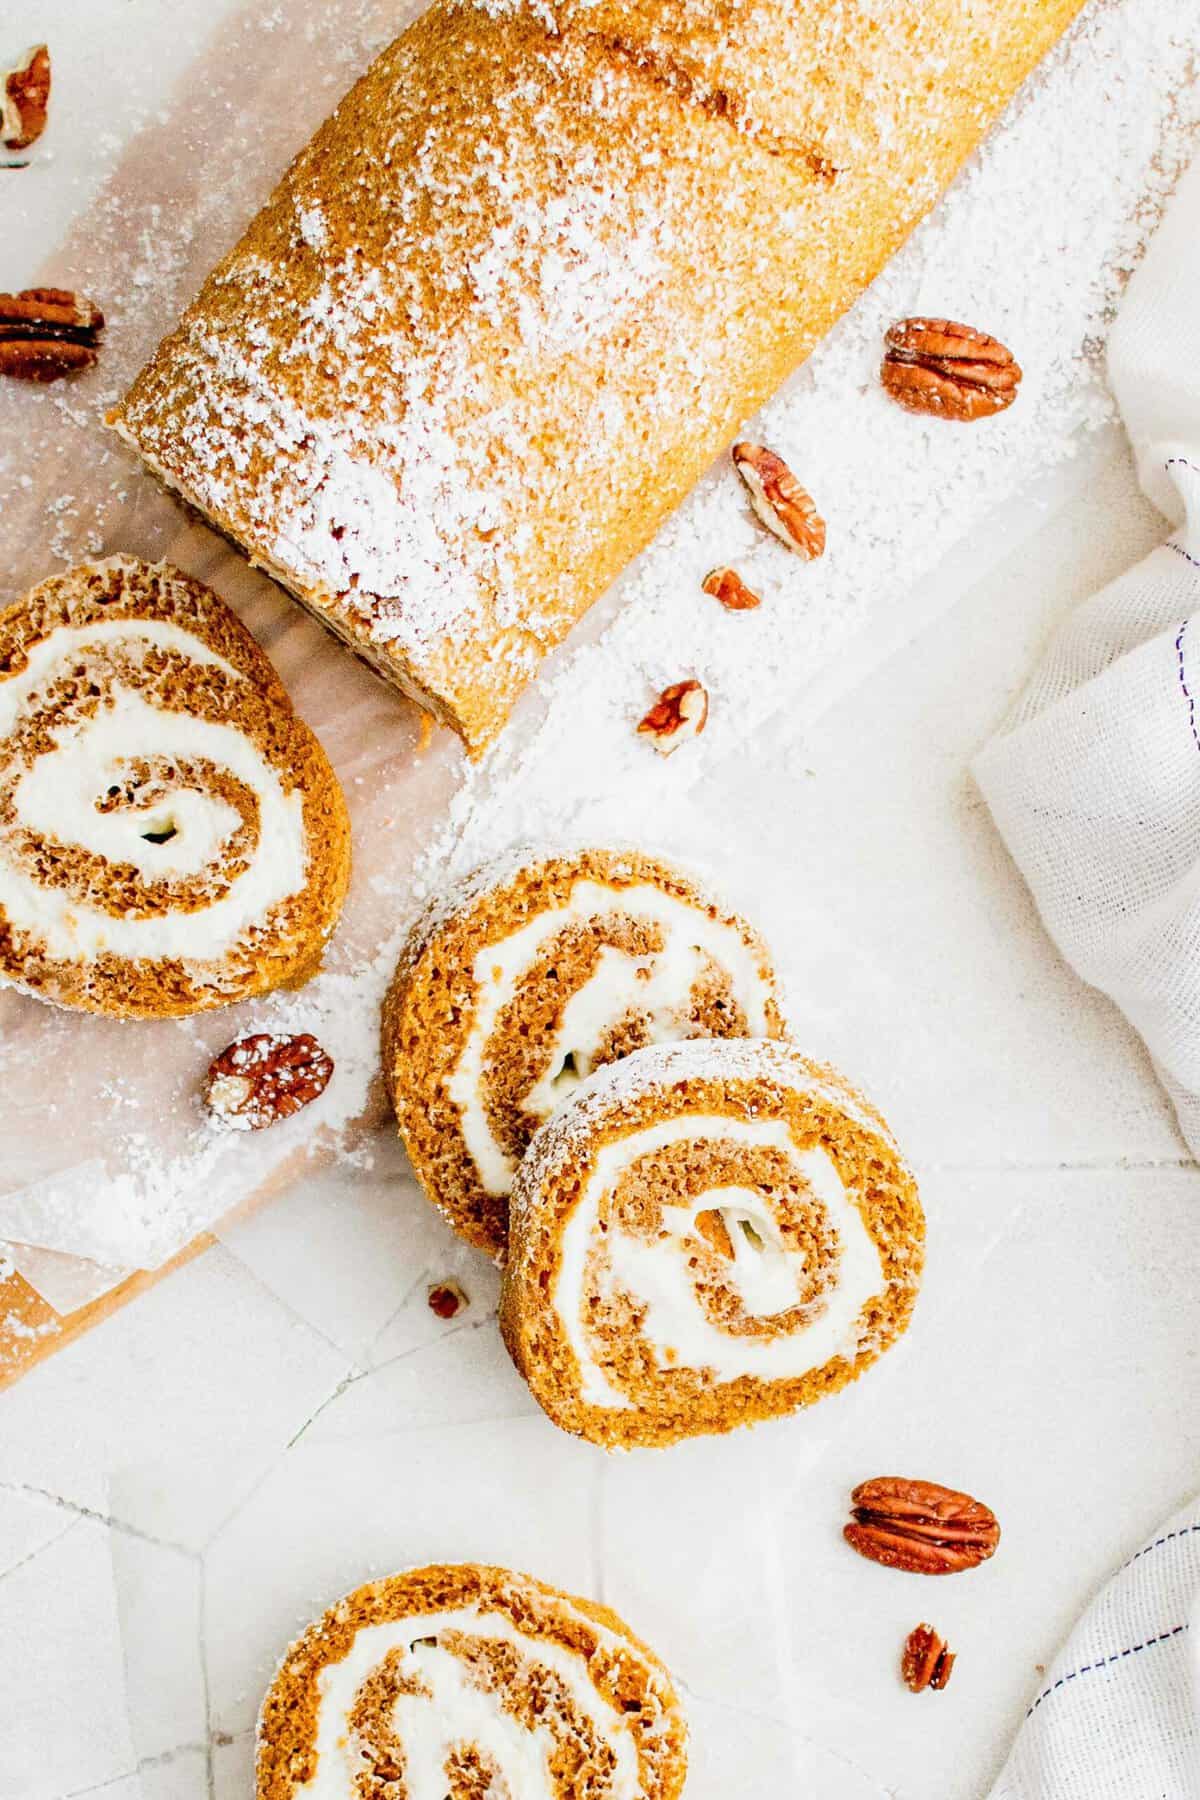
(172, 836)
(515, 987)
(704, 1236)
(467, 1683)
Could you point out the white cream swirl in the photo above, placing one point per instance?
(442, 1705)
(56, 795)
(657, 985)
(770, 1276)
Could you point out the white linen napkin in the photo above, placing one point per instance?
(1094, 780)
(1115, 1718)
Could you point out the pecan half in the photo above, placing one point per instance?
(781, 503)
(927, 1661)
(46, 333)
(447, 1299)
(948, 371)
(257, 1081)
(727, 586)
(679, 713)
(920, 1526)
(24, 100)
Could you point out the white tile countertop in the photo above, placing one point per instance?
(183, 1487)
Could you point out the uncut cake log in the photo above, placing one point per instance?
(527, 281)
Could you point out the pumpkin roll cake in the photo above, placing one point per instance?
(706, 1235)
(530, 278)
(172, 837)
(461, 1682)
(516, 985)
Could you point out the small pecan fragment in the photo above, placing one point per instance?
(679, 713)
(46, 333)
(727, 586)
(447, 1299)
(257, 1081)
(927, 1661)
(920, 1526)
(948, 371)
(24, 99)
(781, 503)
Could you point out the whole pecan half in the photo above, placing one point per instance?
(727, 586)
(679, 713)
(25, 99)
(920, 1526)
(257, 1081)
(927, 1661)
(46, 333)
(948, 371)
(781, 503)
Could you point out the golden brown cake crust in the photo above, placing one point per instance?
(69, 669)
(743, 1082)
(525, 284)
(626, 1675)
(432, 1002)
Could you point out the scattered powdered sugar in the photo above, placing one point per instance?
(1033, 243)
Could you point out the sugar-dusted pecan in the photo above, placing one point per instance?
(46, 333)
(727, 586)
(257, 1081)
(679, 713)
(25, 99)
(781, 503)
(920, 1526)
(926, 1661)
(947, 370)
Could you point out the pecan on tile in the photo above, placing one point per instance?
(727, 586)
(46, 333)
(257, 1081)
(947, 370)
(24, 99)
(920, 1526)
(927, 1661)
(679, 713)
(447, 1299)
(784, 507)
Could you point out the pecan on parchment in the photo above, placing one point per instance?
(46, 333)
(257, 1081)
(920, 1526)
(947, 370)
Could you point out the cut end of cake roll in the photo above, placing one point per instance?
(461, 1682)
(705, 1236)
(172, 836)
(513, 988)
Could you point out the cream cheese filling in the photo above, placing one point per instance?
(658, 984)
(769, 1276)
(459, 1712)
(56, 797)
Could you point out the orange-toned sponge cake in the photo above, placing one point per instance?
(526, 283)
(172, 837)
(705, 1235)
(540, 968)
(461, 1682)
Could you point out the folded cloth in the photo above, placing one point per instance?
(1116, 1713)
(1094, 780)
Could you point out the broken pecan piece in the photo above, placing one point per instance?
(948, 371)
(927, 1660)
(781, 503)
(447, 1299)
(679, 713)
(24, 99)
(920, 1526)
(46, 333)
(259, 1080)
(727, 586)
